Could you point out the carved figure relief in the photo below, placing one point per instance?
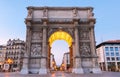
(36, 49)
(45, 11)
(75, 12)
(37, 36)
(84, 35)
(29, 13)
(85, 49)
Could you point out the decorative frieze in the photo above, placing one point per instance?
(60, 20)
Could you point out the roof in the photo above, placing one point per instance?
(109, 42)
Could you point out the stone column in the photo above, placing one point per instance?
(77, 54)
(25, 66)
(77, 66)
(95, 65)
(43, 69)
(92, 40)
(73, 47)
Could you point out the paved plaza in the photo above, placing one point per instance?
(62, 74)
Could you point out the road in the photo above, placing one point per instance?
(62, 74)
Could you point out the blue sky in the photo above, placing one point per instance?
(13, 12)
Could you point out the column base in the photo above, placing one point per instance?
(96, 70)
(24, 71)
(78, 71)
(43, 71)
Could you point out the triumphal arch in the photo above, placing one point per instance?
(75, 25)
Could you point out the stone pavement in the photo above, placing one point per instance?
(62, 74)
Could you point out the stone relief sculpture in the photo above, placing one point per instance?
(85, 49)
(84, 35)
(74, 12)
(29, 13)
(36, 50)
(37, 36)
(45, 11)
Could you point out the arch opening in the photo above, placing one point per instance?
(63, 38)
(60, 35)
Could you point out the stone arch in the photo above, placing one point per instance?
(58, 35)
(70, 31)
(63, 31)
(45, 21)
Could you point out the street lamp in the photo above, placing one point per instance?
(10, 61)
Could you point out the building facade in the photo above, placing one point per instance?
(52, 63)
(109, 55)
(66, 61)
(2, 56)
(14, 55)
(75, 25)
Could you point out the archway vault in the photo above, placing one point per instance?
(60, 35)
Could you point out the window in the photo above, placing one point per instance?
(107, 53)
(111, 48)
(108, 58)
(112, 58)
(117, 53)
(117, 58)
(112, 53)
(116, 48)
(106, 49)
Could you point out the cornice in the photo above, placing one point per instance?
(59, 8)
(61, 20)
